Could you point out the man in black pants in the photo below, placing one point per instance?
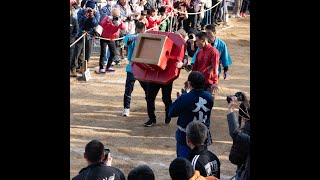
(88, 19)
(153, 90)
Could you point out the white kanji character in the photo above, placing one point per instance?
(200, 105)
(201, 117)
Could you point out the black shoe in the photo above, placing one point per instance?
(150, 123)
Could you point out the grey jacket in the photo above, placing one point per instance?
(238, 134)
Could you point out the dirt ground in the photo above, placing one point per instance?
(96, 108)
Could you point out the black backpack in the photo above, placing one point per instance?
(239, 152)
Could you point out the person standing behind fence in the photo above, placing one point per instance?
(111, 26)
(244, 8)
(153, 20)
(88, 20)
(236, 9)
(74, 27)
(106, 10)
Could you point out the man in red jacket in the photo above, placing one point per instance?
(207, 62)
(111, 26)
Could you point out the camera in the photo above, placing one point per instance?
(238, 95)
(89, 10)
(190, 36)
(115, 18)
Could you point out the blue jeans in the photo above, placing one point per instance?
(182, 148)
(107, 57)
(129, 88)
(183, 151)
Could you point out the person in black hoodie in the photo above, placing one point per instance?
(201, 158)
(98, 167)
(240, 150)
(74, 27)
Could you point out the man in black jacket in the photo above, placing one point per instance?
(240, 150)
(201, 158)
(97, 168)
(74, 27)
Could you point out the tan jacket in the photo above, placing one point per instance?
(197, 176)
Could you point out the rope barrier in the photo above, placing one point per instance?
(170, 15)
(78, 39)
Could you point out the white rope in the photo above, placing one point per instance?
(110, 39)
(155, 26)
(196, 12)
(78, 39)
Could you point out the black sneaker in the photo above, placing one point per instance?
(150, 123)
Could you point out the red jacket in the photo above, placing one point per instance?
(207, 62)
(152, 23)
(110, 31)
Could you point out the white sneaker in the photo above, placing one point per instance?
(126, 112)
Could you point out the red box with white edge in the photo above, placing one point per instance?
(155, 56)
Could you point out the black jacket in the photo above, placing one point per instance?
(241, 138)
(205, 161)
(74, 27)
(99, 171)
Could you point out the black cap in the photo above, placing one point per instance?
(181, 169)
(142, 172)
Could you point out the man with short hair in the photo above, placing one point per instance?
(97, 168)
(201, 158)
(193, 106)
(130, 42)
(207, 62)
(224, 58)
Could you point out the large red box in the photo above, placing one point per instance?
(155, 56)
(152, 50)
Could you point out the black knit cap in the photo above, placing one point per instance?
(181, 169)
(142, 172)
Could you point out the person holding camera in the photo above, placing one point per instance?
(203, 160)
(111, 26)
(191, 44)
(207, 62)
(224, 58)
(240, 149)
(88, 20)
(193, 106)
(99, 164)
